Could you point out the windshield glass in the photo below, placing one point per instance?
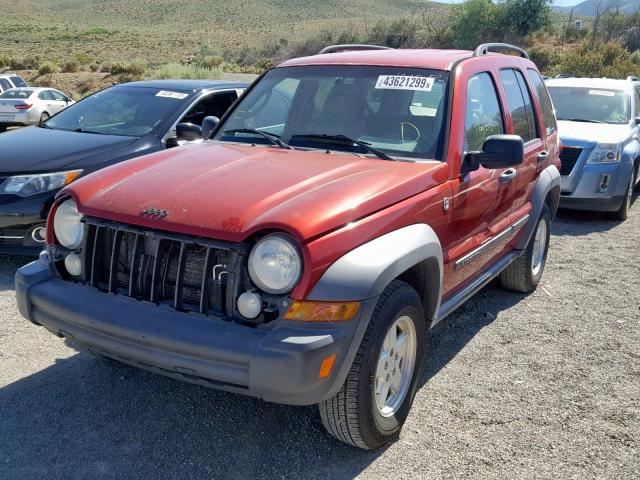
(590, 104)
(128, 111)
(16, 94)
(397, 111)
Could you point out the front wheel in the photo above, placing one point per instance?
(623, 212)
(524, 274)
(373, 403)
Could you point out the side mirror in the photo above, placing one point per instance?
(498, 151)
(208, 125)
(188, 132)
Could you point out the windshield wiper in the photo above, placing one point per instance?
(272, 138)
(586, 120)
(82, 130)
(343, 138)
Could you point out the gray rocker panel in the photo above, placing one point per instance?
(365, 271)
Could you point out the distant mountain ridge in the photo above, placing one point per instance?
(588, 7)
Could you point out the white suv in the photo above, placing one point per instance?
(11, 80)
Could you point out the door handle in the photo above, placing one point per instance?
(508, 175)
(542, 156)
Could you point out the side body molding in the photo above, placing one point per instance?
(365, 271)
(547, 185)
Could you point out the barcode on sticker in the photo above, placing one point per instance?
(405, 82)
(169, 94)
(605, 93)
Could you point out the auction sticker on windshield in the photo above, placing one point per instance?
(604, 93)
(169, 94)
(405, 82)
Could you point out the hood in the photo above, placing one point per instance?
(34, 149)
(588, 134)
(230, 191)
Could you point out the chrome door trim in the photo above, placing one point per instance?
(469, 257)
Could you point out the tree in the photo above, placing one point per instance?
(523, 17)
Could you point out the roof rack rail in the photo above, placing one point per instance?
(350, 48)
(486, 48)
(632, 78)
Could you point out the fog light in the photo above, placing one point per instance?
(249, 304)
(73, 264)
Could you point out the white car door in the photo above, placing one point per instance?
(59, 101)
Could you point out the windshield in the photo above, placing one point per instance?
(16, 94)
(363, 109)
(590, 104)
(128, 111)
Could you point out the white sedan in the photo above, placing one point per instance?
(30, 106)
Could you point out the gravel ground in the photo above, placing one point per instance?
(545, 385)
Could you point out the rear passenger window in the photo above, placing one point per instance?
(5, 84)
(548, 116)
(519, 103)
(483, 115)
(18, 81)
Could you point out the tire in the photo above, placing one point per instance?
(3, 128)
(524, 273)
(353, 415)
(623, 212)
(44, 117)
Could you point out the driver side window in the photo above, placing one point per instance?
(483, 114)
(215, 104)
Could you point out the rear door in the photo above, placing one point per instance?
(524, 124)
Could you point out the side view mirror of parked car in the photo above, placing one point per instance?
(498, 151)
(188, 132)
(208, 125)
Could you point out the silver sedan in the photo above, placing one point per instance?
(30, 106)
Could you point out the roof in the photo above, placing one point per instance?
(610, 83)
(188, 85)
(423, 58)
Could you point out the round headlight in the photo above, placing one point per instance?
(275, 264)
(67, 226)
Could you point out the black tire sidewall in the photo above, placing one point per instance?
(44, 117)
(376, 428)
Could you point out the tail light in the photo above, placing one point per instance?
(23, 106)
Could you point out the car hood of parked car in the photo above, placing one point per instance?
(35, 149)
(229, 191)
(592, 133)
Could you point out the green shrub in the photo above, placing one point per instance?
(605, 60)
(47, 68)
(179, 71)
(26, 63)
(135, 68)
(5, 60)
(83, 59)
(212, 61)
(70, 66)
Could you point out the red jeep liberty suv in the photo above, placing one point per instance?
(343, 206)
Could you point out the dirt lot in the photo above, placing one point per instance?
(539, 386)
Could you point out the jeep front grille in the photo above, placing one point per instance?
(188, 274)
(568, 158)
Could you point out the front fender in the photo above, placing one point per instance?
(366, 271)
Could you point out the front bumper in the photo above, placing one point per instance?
(596, 187)
(279, 363)
(18, 218)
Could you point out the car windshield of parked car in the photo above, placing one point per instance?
(17, 94)
(385, 111)
(127, 111)
(590, 104)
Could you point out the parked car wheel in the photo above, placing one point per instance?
(44, 117)
(623, 212)
(373, 403)
(3, 129)
(524, 274)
